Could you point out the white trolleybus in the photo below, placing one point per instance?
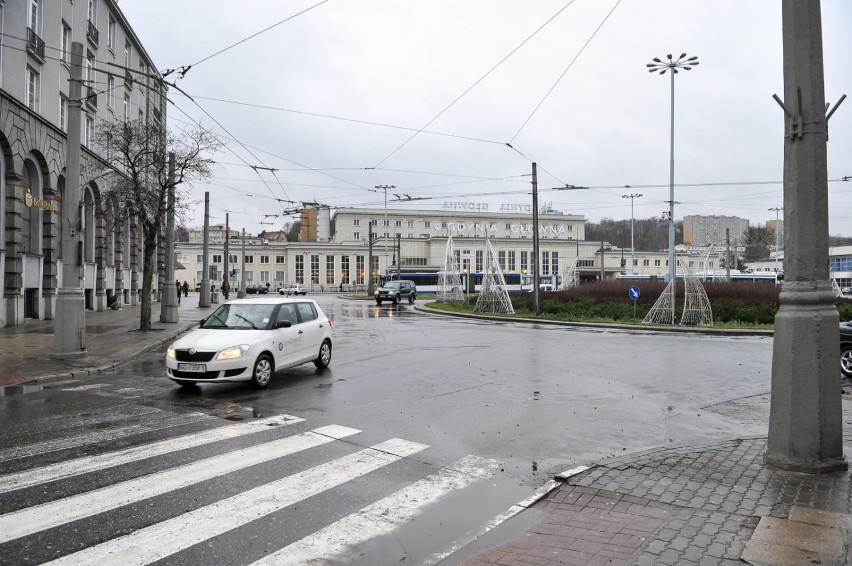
(427, 283)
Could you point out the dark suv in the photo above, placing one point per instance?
(395, 291)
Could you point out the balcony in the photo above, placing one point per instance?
(91, 97)
(128, 79)
(92, 33)
(35, 44)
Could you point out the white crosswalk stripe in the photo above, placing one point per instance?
(158, 541)
(383, 516)
(79, 466)
(33, 519)
(118, 537)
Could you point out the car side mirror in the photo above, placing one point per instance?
(283, 324)
(201, 322)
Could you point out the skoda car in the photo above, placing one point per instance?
(846, 349)
(251, 339)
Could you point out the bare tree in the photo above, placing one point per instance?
(137, 154)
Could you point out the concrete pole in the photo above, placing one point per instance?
(226, 276)
(205, 297)
(69, 325)
(536, 292)
(370, 287)
(727, 254)
(805, 420)
(242, 292)
(169, 306)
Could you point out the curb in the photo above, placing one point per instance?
(643, 328)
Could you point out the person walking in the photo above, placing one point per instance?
(185, 289)
(225, 288)
(178, 286)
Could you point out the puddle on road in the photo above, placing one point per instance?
(8, 390)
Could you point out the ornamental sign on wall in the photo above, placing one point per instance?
(40, 203)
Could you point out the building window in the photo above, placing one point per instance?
(356, 222)
(329, 269)
(501, 259)
(399, 223)
(33, 89)
(199, 258)
(264, 259)
(217, 258)
(656, 263)
(374, 222)
(646, 262)
(545, 264)
(315, 263)
(249, 259)
(479, 255)
(525, 262)
(427, 224)
(300, 268)
(126, 107)
(90, 131)
(411, 223)
(386, 223)
(344, 269)
(511, 264)
(63, 113)
(356, 235)
(279, 277)
(65, 44)
(264, 277)
(554, 262)
(508, 226)
(111, 34)
(33, 18)
(279, 259)
(359, 269)
(110, 97)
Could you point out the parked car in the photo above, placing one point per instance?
(293, 289)
(249, 340)
(395, 291)
(846, 349)
(252, 290)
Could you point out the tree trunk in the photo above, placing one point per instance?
(149, 251)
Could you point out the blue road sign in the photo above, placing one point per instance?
(634, 292)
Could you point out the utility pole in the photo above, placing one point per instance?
(632, 246)
(805, 416)
(385, 234)
(169, 306)
(603, 271)
(69, 326)
(227, 275)
(205, 296)
(398, 255)
(536, 304)
(727, 254)
(370, 288)
(242, 292)
(777, 235)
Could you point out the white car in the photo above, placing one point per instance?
(293, 289)
(251, 339)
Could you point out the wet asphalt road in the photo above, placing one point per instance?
(536, 399)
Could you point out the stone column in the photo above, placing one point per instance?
(13, 270)
(805, 421)
(52, 228)
(100, 261)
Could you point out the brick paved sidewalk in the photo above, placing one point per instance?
(713, 504)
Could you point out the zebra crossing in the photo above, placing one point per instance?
(50, 514)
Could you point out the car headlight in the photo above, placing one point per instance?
(170, 352)
(233, 352)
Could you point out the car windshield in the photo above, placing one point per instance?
(392, 285)
(240, 316)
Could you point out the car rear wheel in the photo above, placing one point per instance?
(324, 357)
(846, 360)
(263, 370)
(411, 298)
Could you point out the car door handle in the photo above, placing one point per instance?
(301, 332)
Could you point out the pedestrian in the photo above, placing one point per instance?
(185, 289)
(225, 288)
(178, 286)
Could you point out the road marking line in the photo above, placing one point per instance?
(383, 517)
(164, 420)
(173, 535)
(52, 514)
(84, 465)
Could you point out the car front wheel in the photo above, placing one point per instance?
(846, 360)
(324, 357)
(396, 299)
(378, 301)
(263, 370)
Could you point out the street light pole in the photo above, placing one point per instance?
(672, 65)
(777, 236)
(384, 234)
(632, 247)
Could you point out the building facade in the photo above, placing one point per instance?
(35, 61)
(713, 230)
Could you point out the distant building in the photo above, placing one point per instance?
(217, 234)
(711, 230)
(777, 231)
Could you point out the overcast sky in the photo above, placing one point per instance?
(332, 97)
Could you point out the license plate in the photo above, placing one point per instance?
(199, 368)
